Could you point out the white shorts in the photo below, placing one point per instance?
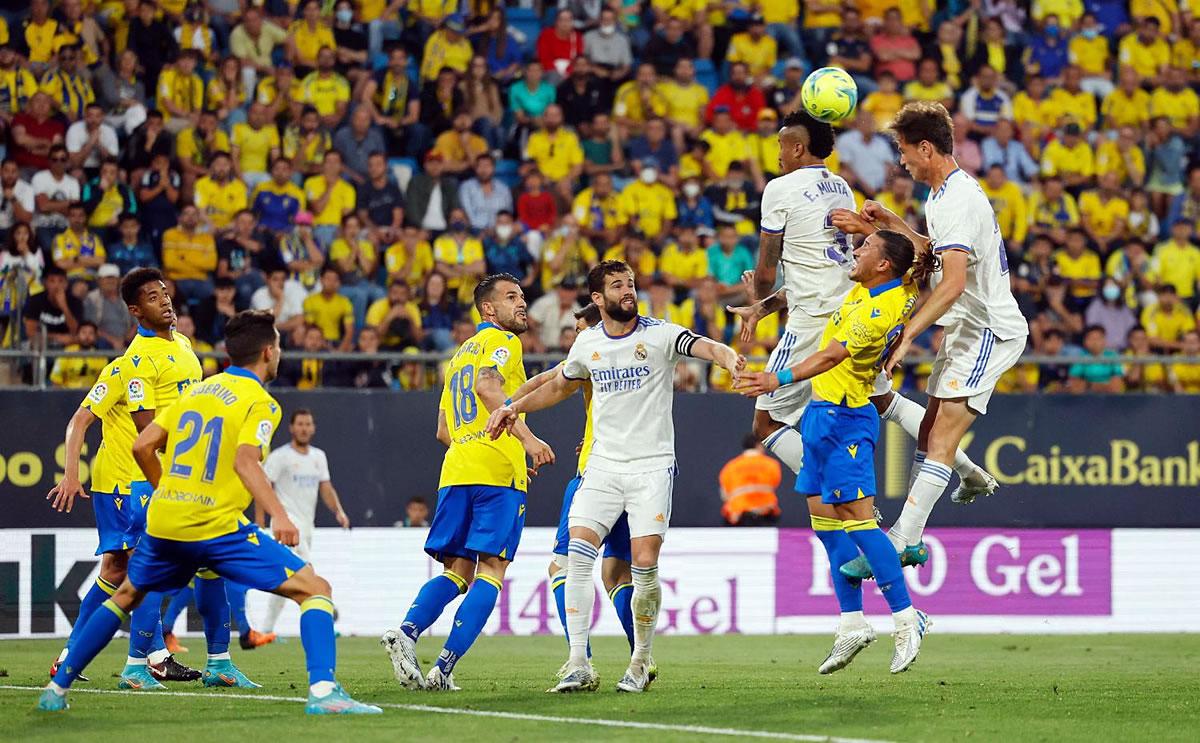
(303, 549)
(801, 339)
(603, 496)
(969, 364)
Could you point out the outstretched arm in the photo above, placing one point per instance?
(550, 393)
(761, 383)
(537, 381)
(873, 217)
(718, 353)
(756, 311)
(490, 389)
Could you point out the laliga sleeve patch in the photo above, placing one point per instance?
(265, 431)
(96, 396)
(136, 390)
(500, 356)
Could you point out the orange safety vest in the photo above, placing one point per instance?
(748, 484)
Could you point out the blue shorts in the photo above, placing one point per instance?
(140, 492)
(248, 556)
(839, 452)
(616, 544)
(114, 521)
(474, 520)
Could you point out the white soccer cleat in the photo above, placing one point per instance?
(846, 645)
(576, 678)
(403, 652)
(439, 681)
(635, 681)
(908, 642)
(966, 492)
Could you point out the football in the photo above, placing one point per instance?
(829, 94)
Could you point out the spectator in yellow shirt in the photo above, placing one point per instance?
(410, 259)
(330, 311)
(1032, 110)
(1071, 158)
(764, 147)
(598, 210)
(330, 199)
(1143, 377)
(446, 47)
(649, 205)
(77, 250)
(459, 145)
(885, 102)
(684, 263)
(755, 48)
(726, 144)
(692, 14)
(1105, 213)
(1145, 50)
(189, 257)
(639, 100)
(79, 372)
(1052, 210)
(255, 144)
(1071, 101)
(1123, 157)
(555, 152)
(326, 90)
(459, 257)
(1167, 321)
(1185, 377)
(1179, 262)
(356, 260)
(1009, 204)
(898, 197)
(780, 17)
(307, 36)
(180, 93)
(396, 317)
(1176, 101)
(1088, 49)
(1080, 266)
(1128, 105)
(219, 196)
(929, 85)
(686, 100)
(566, 255)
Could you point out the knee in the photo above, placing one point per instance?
(882, 402)
(765, 425)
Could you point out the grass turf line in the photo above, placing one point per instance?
(987, 687)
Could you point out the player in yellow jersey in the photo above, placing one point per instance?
(481, 498)
(117, 490)
(215, 438)
(840, 428)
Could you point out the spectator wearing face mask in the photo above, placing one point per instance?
(1109, 312)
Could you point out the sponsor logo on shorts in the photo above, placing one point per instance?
(953, 384)
(853, 449)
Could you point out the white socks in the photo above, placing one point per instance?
(322, 688)
(787, 446)
(219, 656)
(909, 415)
(275, 606)
(579, 596)
(647, 598)
(158, 656)
(928, 486)
(131, 661)
(905, 617)
(851, 620)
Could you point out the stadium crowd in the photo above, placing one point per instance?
(357, 165)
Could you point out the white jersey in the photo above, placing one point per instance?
(297, 479)
(960, 217)
(632, 380)
(816, 257)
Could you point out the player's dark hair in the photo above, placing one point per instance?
(925, 121)
(899, 251)
(131, 285)
(487, 286)
(820, 134)
(589, 313)
(299, 412)
(602, 271)
(247, 334)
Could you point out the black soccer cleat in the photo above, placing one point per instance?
(172, 670)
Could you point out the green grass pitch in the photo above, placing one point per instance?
(978, 687)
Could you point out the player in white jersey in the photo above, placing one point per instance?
(300, 473)
(630, 362)
(971, 298)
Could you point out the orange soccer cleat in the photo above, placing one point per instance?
(254, 639)
(172, 643)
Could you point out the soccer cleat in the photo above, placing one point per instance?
(172, 670)
(845, 646)
(253, 639)
(635, 681)
(967, 493)
(859, 569)
(172, 643)
(224, 673)
(908, 642)
(403, 652)
(52, 701)
(437, 680)
(138, 678)
(54, 670)
(578, 678)
(338, 702)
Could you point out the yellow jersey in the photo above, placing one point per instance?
(441, 52)
(342, 201)
(1179, 266)
(17, 86)
(1080, 107)
(1145, 60)
(685, 103)
(473, 458)
(254, 147)
(420, 262)
(68, 245)
(1122, 109)
(1086, 267)
(70, 93)
(157, 371)
(651, 205)
(601, 213)
(682, 264)
(309, 40)
(200, 495)
(191, 145)
(1110, 159)
(113, 469)
(585, 449)
(76, 372)
(555, 154)
(628, 103)
(1009, 204)
(1168, 326)
(221, 201)
(760, 56)
(867, 324)
(724, 149)
(1187, 375)
(186, 92)
(1091, 55)
(1179, 107)
(1103, 215)
(1058, 159)
(334, 315)
(645, 265)
(325, 93)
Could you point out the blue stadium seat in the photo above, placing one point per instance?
(527, 22)
(379, 61)
(506, 171)
(402, 169)
(706, 75)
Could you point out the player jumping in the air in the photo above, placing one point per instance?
(798, 232)
(481, 497)
(840, 428)
(615, 570)
(630, 363)
(971, 298)
(215, 438)
(156, 368)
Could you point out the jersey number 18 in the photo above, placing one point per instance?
(462, 395)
